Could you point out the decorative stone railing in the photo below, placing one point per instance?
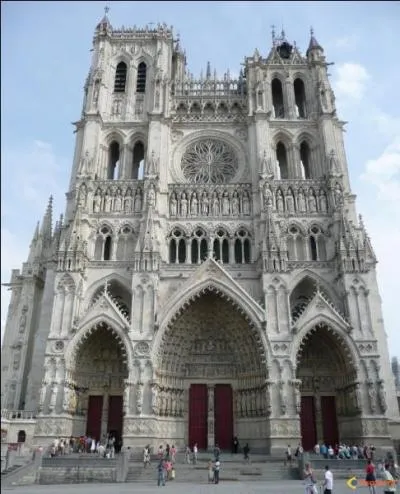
(225, 89)
(193, 201)
(17, 415)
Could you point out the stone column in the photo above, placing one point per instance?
(318, 417)
(42, 396)
(139, 398)
(210, 418)
(104, 413)
(127, 397)
(290, 99)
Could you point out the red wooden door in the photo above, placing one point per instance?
(198, 407)
(223, 416)
(307, 421)
(95, 409)
(329, 420)
(114, 425)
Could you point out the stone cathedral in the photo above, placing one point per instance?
(210, 277)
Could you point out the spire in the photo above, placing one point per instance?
(104, 24)
(46, 230)
(208, 73)
(313, 45)
(32, 247)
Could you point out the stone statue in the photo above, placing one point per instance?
(323, 202)
(107, 203)
(382, 397)
(173, 205)
(66, 398)
(97, 203)
(151, 196)
(312, 203)
(194, 203)
(138, 201)
(184, 205)
(128, 203)
(126, 398)
(372, 396)
(204, 204)
(279, 202)
(215, 204)
(225, 204)
(289, 202)
(139, 398)
(118, 201)
(266, 166)
(235, 204)
(42, 394)
(338, 195)
(22, 319)
(17, 358)
(154, 399)
(301, 202)
(246, 204)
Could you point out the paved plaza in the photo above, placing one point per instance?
(284, 487)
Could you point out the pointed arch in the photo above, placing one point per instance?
(66, 281)
(317, 280)
(89, 328)
(251, 311)
(94, 287)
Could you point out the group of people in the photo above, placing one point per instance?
(106, 448)
(345, 451)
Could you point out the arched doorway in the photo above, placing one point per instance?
(97, 382)
(329, 388)
(216, 355)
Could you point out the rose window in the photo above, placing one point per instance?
(209, 161)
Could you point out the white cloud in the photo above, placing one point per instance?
(350, 81)
(384, 173)
(387, 125)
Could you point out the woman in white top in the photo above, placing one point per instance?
(390, 483)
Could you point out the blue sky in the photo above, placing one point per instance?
(45, 56)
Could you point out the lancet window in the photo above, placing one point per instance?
(295, 244)
(277, 99)
(177, 247)
(317, 247)
(242, 247)
(300, 98)
(141, 78)
(113, 161)
(282, 161)
(138, 160)
(120, 78)
(103, 244)
(221, 246)
(305, 159)
(199, 247)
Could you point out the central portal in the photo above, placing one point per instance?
(217, 416)
(210, 350)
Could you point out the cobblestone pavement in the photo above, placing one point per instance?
(284, 487)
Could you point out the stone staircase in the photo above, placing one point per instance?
(233, 468)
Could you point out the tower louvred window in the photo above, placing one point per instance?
(120, 78)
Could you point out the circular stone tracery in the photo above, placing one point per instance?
(209, 161)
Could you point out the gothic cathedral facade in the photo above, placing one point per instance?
(210, 277)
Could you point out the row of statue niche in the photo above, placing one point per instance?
(109, 202)
(300, 202)
(215, 204)
(166, 401)
(251, 402)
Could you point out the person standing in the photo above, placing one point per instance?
(246, 451)
(328, 481)
(390, 482)
(161, 473)
(370, 476)
(235, 445)
(216, 471)
(195, 452)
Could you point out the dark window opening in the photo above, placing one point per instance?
(141, 78)
(216, 251)
(305, 159)
(182, 251)
(195, 252)
(225, 251)
(137, 160)
(313, 248)
(238, 251)
(203, 249)
(120, 78)
(300, 98)
(277, 99)
(247, 251)
(21, 438)
(172, 251)
(107, 249)
(281, 156)
(113, 161)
